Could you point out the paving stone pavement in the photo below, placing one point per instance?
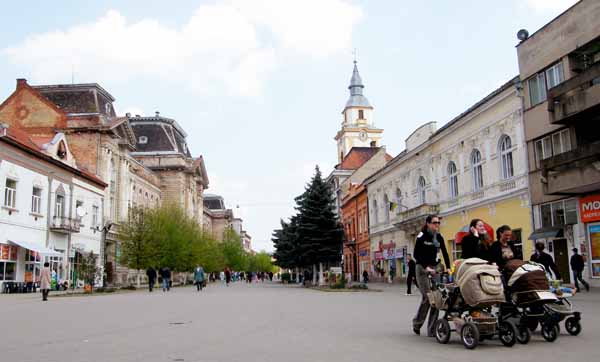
(258, 322)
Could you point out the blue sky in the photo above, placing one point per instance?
(259, 85)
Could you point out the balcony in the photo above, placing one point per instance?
(575, 98)
(412, 220)
(573, 172)
(65, 225)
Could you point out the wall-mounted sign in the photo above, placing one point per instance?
(589, 208)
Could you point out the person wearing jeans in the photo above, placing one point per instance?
(577, 265)
(165, 273)
(429, 243)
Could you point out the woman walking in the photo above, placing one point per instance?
(429, 243)
(199, 277)
(45, 281)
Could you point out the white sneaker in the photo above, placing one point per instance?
(409, 294)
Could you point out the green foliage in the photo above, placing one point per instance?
(88, 269)
(286, 277)
(315, 234)
(167, 236)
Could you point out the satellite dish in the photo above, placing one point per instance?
(80, 211)
(523, 34)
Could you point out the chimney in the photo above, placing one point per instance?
(157, 113)
(21, 82)
(3, 129)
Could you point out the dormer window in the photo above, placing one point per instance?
(62, 150)
(143, 140)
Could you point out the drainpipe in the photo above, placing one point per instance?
(69, 235)
(49, 208)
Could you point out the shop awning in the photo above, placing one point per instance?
(37, 248)
(546, 233)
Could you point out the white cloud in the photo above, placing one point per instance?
(550, 5)
(228, 46)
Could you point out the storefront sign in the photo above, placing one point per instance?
(594, 231)
(363, 252)
(589, 208)
(5, 255)
(378, 255)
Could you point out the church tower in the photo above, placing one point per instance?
(358, 127)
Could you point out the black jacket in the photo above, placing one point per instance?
(151, 274)
(412, 268)
(577, 263)
(496, 253)
(165, 273)
(546, 260)
(426, 252)
(470, 247)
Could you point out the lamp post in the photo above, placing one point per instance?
(105, 229)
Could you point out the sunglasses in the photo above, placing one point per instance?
(436, 222)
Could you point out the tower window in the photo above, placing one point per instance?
(143, 140)
(361, 114)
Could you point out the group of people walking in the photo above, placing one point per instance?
(476, 244)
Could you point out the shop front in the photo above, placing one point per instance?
(589, 211)
(21, 264)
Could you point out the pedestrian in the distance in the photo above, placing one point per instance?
(151, 274)
(227, 276)
(412, 275)
(165, 274)
(577, 265)
(365, 276)
(541, 257)
(429, 242)
(45, 281)
(199, 277)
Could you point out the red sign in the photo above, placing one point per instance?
(378, 255)
(589, 208)
(5, 252)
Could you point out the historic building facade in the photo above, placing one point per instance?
(473, 167)
(51, 210)
(218, 218)
(562, 108)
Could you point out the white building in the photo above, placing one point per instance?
(50, 209)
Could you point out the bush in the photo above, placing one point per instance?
(129, 287)
(340, 283)
(359, 286)
(286, 278)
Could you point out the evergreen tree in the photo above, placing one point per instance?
(285, 241)
(319, 231)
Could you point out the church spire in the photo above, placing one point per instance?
(357, 99)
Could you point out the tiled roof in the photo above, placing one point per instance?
(357, 157)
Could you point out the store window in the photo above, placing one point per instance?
(8, 262)
(32, 266)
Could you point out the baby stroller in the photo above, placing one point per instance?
(530, 303)
(467, 305)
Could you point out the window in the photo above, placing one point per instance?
(143, 140)
(361, 114)
(10, 193)
(79, 213)
(506, 158)
(113, 176)
(36, 200)
(386, 210)
(95, 216)
(8, 265)
(452, 180)
(537, 89)
(559, 213)
(456, 250)
(421, 190)
(477, 168)
(552, 145)
(554, 75)
(375, 212)
(59, 206)
(398, 200)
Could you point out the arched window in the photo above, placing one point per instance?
(386, 208)
(452, 180)
(375, 212)
(477, 168)
(421, 190)
(398, 200)
(506, 158)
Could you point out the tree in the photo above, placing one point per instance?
(319, 231)
(88, 269)
(233, 251)
(136, 248)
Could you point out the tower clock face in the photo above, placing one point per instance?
(362, 135)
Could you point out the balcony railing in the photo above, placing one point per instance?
(575, 95)
(577, 157)
(65, 225)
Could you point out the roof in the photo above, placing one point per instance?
(357, 99)
(357, 157)
(82, 98)
(23, 141)
(163, 135)
(214, 202)
(549, 23)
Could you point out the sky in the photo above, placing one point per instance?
(259, 85)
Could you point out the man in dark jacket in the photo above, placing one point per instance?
(545, 259)
(151, 274)
(165, 274)
(429, 243)
(577, 265)
(411, 276)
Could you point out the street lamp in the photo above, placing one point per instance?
(105, 229)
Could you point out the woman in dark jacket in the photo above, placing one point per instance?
(503, 250)
(478, 243)
(427, 246)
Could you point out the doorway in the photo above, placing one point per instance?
(561, 258)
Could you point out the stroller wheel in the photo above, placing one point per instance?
(508, 333)
(523, 335)
(442, 330)
(573, 326)
(469, 335)
(550, 332)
